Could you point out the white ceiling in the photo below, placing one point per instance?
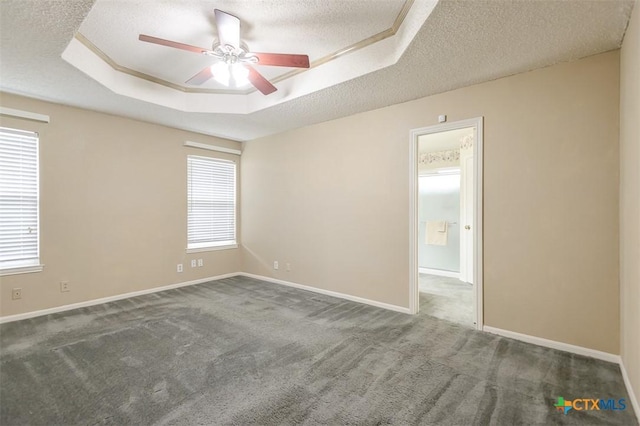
(312, 28)
(460, 43)
(106, 47)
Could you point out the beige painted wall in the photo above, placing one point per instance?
(332, 200)
(113, 208)
(630, 201)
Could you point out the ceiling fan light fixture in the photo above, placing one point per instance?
(239, 74)
(230, 74)
(234, 58)
(221, 73)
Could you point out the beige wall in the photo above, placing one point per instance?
(332, 200)
(630, 201)
(113, 208)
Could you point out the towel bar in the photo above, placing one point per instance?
(450, 223)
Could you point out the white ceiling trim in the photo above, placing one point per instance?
(375, 53)
(461, 43)
(113, 64)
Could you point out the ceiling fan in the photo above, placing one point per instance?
(234, 60)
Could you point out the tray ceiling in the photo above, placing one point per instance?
(457, 44)
(343, 39)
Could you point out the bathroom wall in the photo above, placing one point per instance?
(439, 199)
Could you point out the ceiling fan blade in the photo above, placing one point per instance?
(282, 60)
(201, 77)
(228, 28)
(175, 44)
(259, 82)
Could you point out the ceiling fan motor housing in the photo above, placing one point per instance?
(231, 55)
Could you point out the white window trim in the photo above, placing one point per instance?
(18, 113)
(220, 245)
(26, 266)
(212, 147)
(21, 270)
(212, 248)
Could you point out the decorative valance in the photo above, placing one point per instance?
(448, 156)
(466, 142)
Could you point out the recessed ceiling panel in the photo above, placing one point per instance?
(314, 28)
(343, 40)
(454, 44)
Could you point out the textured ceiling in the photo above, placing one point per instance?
(107, 48)
(461, 43)
(316, 29)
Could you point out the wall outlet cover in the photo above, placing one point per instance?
(16, 293)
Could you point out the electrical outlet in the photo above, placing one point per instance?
(16, 293)
(179, 268)
(275, 264)
(200, 262)
(193, 263)
(288, 267)
(64, 286)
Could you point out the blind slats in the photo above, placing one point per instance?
(19, 239)
(211, 203)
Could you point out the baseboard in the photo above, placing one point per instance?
(329, 293)
(48, 311)
(63, 308)
(632, 395)
(604, 356)
(439, 272)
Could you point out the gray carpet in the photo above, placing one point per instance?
(446, 298)
(245, 352)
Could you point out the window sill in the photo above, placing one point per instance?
(212, 248)
(21, 270)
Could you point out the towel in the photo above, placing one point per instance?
(437, 232)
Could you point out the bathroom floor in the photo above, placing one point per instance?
(446, 298)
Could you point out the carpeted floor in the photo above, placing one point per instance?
(446, 298)
(245, 352)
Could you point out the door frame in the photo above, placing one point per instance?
(464, 209)
(414, 297)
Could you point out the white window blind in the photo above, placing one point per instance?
(211, 202)
(19, 245)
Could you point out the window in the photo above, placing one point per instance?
(19, 232)
(211, 203)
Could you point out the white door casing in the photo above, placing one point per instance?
(466, 215)
(476, 222)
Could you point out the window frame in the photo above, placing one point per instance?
(32, 265)
(213, 245)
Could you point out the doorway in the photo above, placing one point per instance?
(446, 221)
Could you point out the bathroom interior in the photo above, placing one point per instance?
(445, 215)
